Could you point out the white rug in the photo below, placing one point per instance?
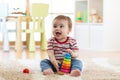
(94, 69)
(13, 70)
(101, 68)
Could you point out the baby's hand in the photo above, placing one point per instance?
(70, 51)
(58, 62)
(55, 63)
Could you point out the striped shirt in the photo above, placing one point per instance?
(59, 48)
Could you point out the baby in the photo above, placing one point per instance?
(60, 44)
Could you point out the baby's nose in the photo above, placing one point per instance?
(58, 28)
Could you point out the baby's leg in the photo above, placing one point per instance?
(76, 67)
(46, 67)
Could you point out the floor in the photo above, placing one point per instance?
(39, 55)
(26, 59)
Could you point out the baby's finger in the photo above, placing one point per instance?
(57, 68)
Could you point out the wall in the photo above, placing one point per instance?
(111, 38)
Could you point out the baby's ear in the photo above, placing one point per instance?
(70, 29)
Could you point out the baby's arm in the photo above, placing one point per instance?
(52, 59)
(74, 49)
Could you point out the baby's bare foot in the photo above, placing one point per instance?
(75, 73)
(48, 72)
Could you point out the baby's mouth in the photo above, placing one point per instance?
(58, 33)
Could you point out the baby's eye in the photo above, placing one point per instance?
(61, 26)
(54, 26)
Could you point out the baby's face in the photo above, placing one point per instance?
(60, 29)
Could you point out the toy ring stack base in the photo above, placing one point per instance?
(60, 73)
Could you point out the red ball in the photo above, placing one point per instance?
(26, 70)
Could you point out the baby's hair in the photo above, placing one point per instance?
(67, 18)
